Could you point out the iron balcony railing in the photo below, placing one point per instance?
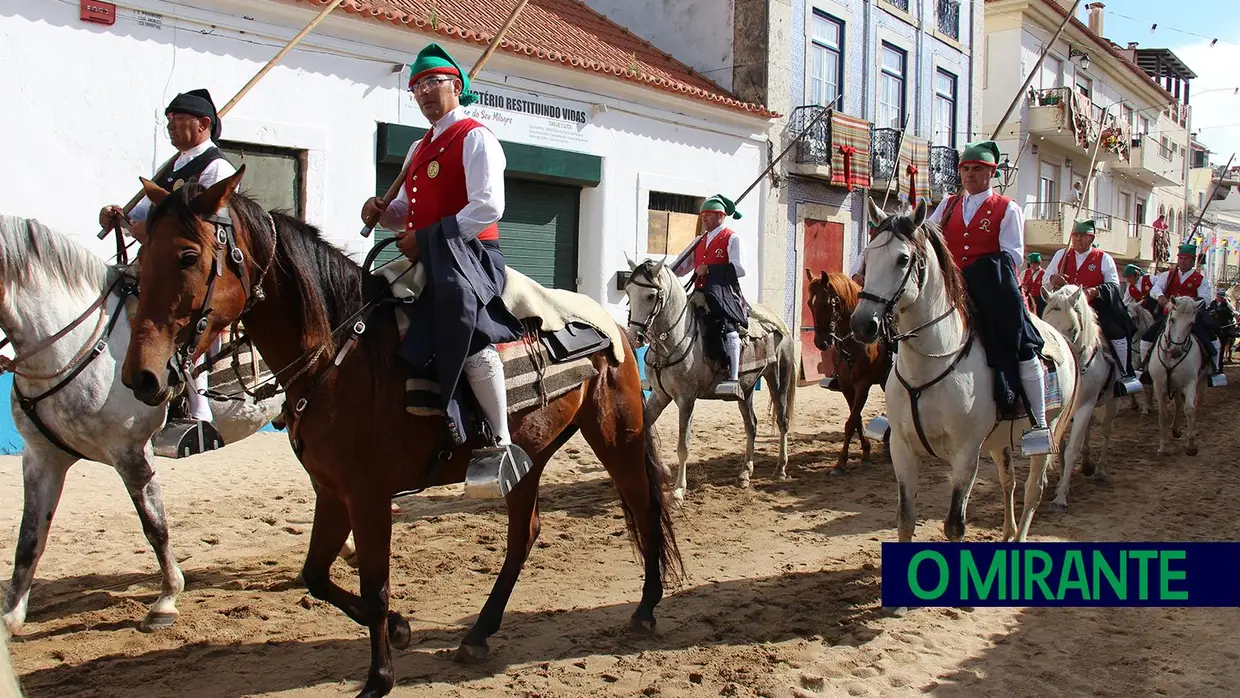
(902, 4)
(949, 17)
(815, 147)
(1060, 210)
(884, 153)
(944, 170)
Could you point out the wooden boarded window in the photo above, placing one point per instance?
(274, 177)
(673, 222)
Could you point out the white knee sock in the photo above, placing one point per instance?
(1031, 378)
(1218, 354)
(732, 344)
(1145, 352)
(485, 372)
(200, 405)
(1121, 353)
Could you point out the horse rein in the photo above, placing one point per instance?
(660, 304)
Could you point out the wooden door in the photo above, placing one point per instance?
(824, 251)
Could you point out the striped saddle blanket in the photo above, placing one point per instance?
(533, 375)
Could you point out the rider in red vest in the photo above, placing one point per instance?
(985, 233)
(447, 214)
(1183, 280)
(717, 264)
(1031, 284)
(1094, 270)
(1139, 286)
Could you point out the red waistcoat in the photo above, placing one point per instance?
(713, 252)
(1186, 287)
(1033, 282)
(981, 236)
(1141, 290)
(1090, 275)
(435, 185)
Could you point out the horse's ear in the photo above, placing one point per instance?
(656, 269)
(627, 258)
(919, 215)
(1201, 303)
(809, 275)
(154, 192)
(216, 197)
(1076, 295)
(1045, 296)
(876, 213)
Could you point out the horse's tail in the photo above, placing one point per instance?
(787, 370)
(662, 540)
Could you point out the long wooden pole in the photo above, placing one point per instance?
(164, 168)
(1034, 70)
(394, 188)
(895, 174)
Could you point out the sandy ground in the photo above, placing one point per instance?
(781, 597)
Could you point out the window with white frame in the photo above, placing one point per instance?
(1051, 73)
(1085, 86)
(944, 108)
(891, 87)
(826, 77)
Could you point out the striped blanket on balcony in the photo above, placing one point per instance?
(850, 151)
(914, 169)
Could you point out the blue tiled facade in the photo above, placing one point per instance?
(866, 23)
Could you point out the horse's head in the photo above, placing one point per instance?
(896, 251)
(1066, 311)
(193, 285)
(648, 290)
(1181, 315)
(831, 298)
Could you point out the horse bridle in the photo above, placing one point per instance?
(660, 304)
(834, 339)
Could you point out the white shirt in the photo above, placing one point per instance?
(1109, 273)
(1204, 291)
(735, 253)
(215, 171)
(484, 162)
(1011, 228)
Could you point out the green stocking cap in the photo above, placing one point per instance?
(985, 152)
(1084, 226)
(719, 202)
(1132, 270)
(1035, 256)
(1188, 248)
(435, 60)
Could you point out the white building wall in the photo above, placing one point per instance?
(79, 134)
(696, 32)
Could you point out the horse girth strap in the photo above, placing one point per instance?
(915, 393)
(294, 416)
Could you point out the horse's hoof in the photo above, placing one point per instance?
(642, 625)
(1102, 478)
(1164, 452)
(837, 471)
(1190, 450)
(471, 654)
(155, 621)
(866, 462)
(782, 475)
(399, 635)
(1061, 508)
(898, 612)
(678, 496)
(12, 625)
(742, 482)
(1176, 433)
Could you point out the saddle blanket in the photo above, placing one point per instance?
(250, 368)
(531, 376)
(757, 354)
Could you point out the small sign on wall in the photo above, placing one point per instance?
(100, 12)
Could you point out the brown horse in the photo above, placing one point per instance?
(832, 299)
(214, 255)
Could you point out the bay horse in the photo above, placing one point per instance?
(215, 255)
(63, 310)
(832, 300)
(677, 368)
(939, 394)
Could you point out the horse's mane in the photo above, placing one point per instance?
(1091, 331)
(29, 248)
(953, 281)
(329, 285)
(842, 286)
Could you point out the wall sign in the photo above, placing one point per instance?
(522, 117)
(99, 12)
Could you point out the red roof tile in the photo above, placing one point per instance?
(557, 31)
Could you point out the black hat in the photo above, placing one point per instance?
(196, 103)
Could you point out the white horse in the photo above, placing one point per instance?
(1179, 371)
(1068, 311)
(677, 368)
(1143, 320)
(939, 394)
(47, 282)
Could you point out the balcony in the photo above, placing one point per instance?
(944, 171)
(884, 157)
(813, 152)
(899, 4)
(1152, 164)
(1048, 227)
(948, 16)
(1068, 120)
